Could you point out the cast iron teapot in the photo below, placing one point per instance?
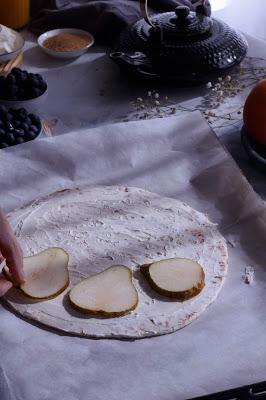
(185, 46)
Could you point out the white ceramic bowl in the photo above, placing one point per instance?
(64, 55)
(20, 44)
(31, 105)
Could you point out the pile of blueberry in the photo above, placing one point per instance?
(17, 126)
(21, 85)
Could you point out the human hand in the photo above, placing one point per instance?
(10, 250)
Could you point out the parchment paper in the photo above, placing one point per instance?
(178, 157)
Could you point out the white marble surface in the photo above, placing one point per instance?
(253, 15)
(36, 364)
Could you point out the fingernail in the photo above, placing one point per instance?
(21, 280)
(21, 277)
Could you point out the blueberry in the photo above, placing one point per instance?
(28, 120)
(22, 113)
(13, 90)
(36, 93)
(3, 109)
(22, 110)
(2, 81)
(39, 77)
(9, 126)
(19, 132)
(34, 82)
(16, 123)
(21, 94)
(25, 127)
(43, 86)
(11, 79)
(3, 145)
(9, 117)
(27, 80)
(34, 118)
(12, 111)
(21, 78)
(39, 126)
(10, 138)
(16, 71)
(2, 96)
(34, 128)
(2, 132)
(19, 140)
(1, 123)
(31, 135)
(27, 94)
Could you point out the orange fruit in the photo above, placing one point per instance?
(254, 113)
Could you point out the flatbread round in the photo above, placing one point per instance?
(103, 226)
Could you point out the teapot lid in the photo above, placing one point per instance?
(181, 24)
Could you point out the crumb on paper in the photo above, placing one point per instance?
(248, 277)
(48, 126)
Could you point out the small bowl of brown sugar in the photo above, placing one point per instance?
(65, 43)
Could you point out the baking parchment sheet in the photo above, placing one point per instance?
(178, 157)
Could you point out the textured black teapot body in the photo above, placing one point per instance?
(184, 46)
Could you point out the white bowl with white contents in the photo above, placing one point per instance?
(64, 55)
(11, 43)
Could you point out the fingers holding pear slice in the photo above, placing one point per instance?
(46, 274)
(110, 293)
(176, 278)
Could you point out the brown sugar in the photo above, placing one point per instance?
(66, 42)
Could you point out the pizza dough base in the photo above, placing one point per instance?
(102, 226)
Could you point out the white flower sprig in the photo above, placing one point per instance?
(213, 104)
(224, 87)
(152, 105)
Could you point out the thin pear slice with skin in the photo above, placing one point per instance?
(46, 274)
(110, 293)
(176, 278)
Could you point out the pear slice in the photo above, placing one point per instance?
(110, 293)
(177, 278)
(46, 273)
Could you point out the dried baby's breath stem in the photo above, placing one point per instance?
(214, 102)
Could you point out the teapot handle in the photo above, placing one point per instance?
(145, 13)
